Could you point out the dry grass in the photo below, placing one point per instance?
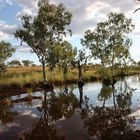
(17, 77)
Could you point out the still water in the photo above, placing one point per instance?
(91, 112)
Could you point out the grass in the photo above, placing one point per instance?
(15, 78)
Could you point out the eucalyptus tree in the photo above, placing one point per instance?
(66, 54)
(41, 31)
(6, 51)
(54, 56)
(14, 63)
(81, 61)
(109, 42)
(124, 61)
(27, 63)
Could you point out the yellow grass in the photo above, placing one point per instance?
(17, 77)
(20, 76)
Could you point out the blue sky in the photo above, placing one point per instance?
(86, 14)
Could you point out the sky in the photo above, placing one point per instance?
(86, 15)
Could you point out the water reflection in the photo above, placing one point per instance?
(105, 93)
(6, 115)
(64, 115)
(108, 123)
(112, 123)
(54, 107)
(124, 95)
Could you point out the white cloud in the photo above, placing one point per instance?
(23, 12)
(136, 21)
(28, 3)
(134, 50)
(4, 2)
(6, 30)
(22, 49)
(87, 13)
(25, 3)
(3, 36)
(10, 2)
(28, 7)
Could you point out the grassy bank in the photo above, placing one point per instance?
(15, 78)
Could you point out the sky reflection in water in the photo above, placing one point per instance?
(94, 112)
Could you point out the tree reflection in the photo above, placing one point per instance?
(80, 87)
(106, 123)
(54, 107)
(112, 122)
(6, 115)
(105, 93)
(103, 122)
(83, 102)
(124, 95)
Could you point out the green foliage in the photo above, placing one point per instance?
(27, 63)
(14, 63)
(5, 52)
(67, 54)
(60, 55)
(109, 41)
(82, 59)
(105, 93)
(40, 32)
(82, 56)
(54, 56)
(2, 68)
(6, 115)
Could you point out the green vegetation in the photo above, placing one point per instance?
(27, 63)
(14, 63)
(6, 51)
(109, 42)
(81, 61)
(60, 61)
(44, 30)
(65, 54)
(15, 78)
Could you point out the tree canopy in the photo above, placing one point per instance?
(14, 63)
(40, 32)
(62, 54)
(109, 42)
(6, 51)
(27, 63)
